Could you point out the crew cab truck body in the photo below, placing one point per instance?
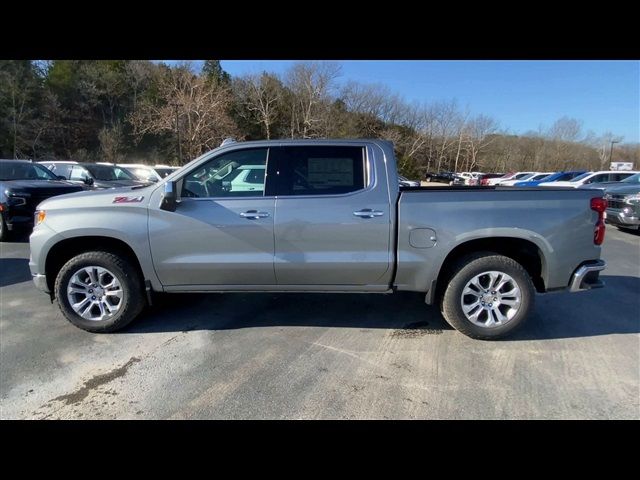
(329, 217)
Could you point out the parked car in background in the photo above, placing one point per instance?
(405, 182)
(485, 178)
(142, 172)
(497, 180)
(623, 203)
(554, 177)
(538, 177)
(589, 178)
(23, 185)
(61, 168)
(518, 177)
(445, 177)
(102, 175)
(165, 170)
(471, 178)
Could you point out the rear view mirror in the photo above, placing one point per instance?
(169, 197)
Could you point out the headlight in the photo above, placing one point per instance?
(633, 198)
(17, 199)
(39, 217)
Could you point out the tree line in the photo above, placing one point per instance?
(142, 111)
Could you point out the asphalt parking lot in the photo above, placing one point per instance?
(308, 356)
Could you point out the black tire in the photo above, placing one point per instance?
(4, 231)
(133, 301)
(467, 268)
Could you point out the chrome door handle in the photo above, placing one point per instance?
(254, 214)
(368, 213)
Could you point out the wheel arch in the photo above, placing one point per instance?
(62, 251)
(524, 251)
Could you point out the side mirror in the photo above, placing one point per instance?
(88, 180)
(169, 197)
(61, 177)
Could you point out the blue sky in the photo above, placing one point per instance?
(521, 95)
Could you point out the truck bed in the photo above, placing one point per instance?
(558, 221)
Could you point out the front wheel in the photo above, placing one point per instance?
(99, 291)
(4, 231)
(488, 296)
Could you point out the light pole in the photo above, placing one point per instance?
(175, 106)
(611, 151)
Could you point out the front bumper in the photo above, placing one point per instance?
(587, 276)
(625, 218)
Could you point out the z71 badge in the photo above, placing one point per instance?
(128, 199)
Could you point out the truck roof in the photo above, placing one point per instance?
(309, 141)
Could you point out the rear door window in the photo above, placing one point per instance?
(316, 170)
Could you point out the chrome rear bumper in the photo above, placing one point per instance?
(586, 276)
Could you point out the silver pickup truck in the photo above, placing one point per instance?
(315, 216)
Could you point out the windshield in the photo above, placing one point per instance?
(163, 172)
(142, 173)
(523, 176)
(632, 179)
(108, 172)
(24, 171)
(581, 177)
(542, 176)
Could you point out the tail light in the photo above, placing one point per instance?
(599, 205)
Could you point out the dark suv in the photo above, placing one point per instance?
(23, 185)
(445, 177)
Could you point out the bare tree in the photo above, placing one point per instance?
(310, 84)
(111, 143)
(481, 130)
(189, 106)
(262, 98)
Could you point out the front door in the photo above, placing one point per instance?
(222, 230)
(332, 227)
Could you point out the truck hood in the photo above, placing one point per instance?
(97, 198)
(623, 189)
(606, 185)
(41, 187)
(559, 184)
(117, 183)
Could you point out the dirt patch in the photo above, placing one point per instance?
(79, 395)
(415, 330)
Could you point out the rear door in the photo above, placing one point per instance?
(332, 224)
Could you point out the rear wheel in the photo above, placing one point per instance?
(99, 291)
(488, 296)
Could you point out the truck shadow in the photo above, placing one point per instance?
(19, 237)
(612, 310)
(14, 270)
